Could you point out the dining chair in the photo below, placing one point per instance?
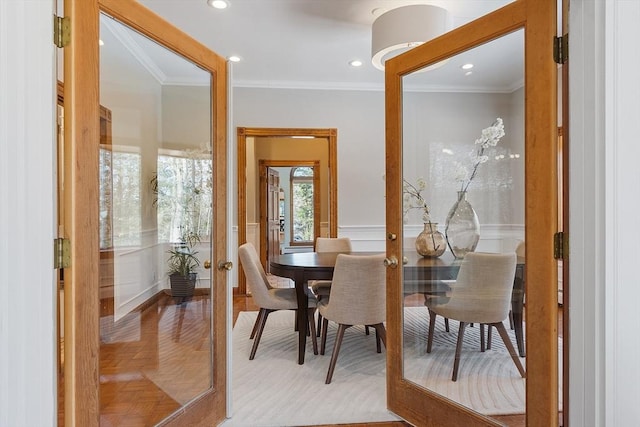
(521, 253)
(268, 298)
(358, 297)
(322, 288)
(481, 294)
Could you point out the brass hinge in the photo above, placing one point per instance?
(559, 245)
(561, 49)
(61, 253)
(61, 31)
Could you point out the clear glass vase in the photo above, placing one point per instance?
(430, 242)
(462, 228)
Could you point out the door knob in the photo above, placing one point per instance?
(225, 265)
(206, 264)
(391, 262)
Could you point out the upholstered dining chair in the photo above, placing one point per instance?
(268, 298)
(358, 297)
(481, 294)
(322, 288)
(520, 253)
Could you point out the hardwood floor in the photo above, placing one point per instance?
(136, 389)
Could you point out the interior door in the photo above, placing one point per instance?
(516, 183)
(158, 187)
(273, 213)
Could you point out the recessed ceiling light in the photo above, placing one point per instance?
(234, 58)
(355, 63)
(468, 73)
(218, 4)
(467, 66)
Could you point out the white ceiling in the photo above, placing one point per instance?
(309, 43)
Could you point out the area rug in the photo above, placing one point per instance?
(273, 390)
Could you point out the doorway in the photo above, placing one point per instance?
(289, 207)
(250, 142)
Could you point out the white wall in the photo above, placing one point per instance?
(359, 118)
(27, 215)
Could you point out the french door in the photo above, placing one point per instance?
(155, 182)
(514, 193)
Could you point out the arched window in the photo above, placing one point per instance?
(302, 206)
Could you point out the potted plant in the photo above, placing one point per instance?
(182, 263)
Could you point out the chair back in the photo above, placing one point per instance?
(358, 290)
(257, 282)
(333, 244)
(482, 291)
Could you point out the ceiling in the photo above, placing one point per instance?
(309, 43)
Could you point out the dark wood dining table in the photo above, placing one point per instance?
(420, 274)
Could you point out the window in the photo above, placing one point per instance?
(184, 197)
(120, 218)
(302, 206)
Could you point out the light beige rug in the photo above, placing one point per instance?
(273, 390)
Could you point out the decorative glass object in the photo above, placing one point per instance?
(430, 242)
(462, 227)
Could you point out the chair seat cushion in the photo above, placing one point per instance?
(320, 287)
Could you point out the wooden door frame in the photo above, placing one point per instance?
(82, 133)
(539, 23)
(331, 134)
(263, 164)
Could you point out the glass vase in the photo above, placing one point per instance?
(462, 228)
(430, 243)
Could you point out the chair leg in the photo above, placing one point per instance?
(446, 324)
(366, 330)
(510, 319)
(319, 324)
(432, 327)
(512, 351)
(255, 325)
(381, 335)
(323, 343)
(482, 344)
(489, 336)
(456, 362)
(336, 350)
(312, 329)
(256, 341)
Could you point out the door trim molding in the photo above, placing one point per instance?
(242, 133)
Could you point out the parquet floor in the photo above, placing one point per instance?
(155, 359)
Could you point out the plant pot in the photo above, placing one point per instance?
(182, 286)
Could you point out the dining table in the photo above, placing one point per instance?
(420, 275)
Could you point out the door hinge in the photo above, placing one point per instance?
(61, 31)
(561, 49)
(559, 245)
(61, 253)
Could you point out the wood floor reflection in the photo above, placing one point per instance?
(156, 359)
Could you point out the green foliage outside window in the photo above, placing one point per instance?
(302, 204)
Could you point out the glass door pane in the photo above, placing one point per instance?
(463, 171)
(155, 228)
